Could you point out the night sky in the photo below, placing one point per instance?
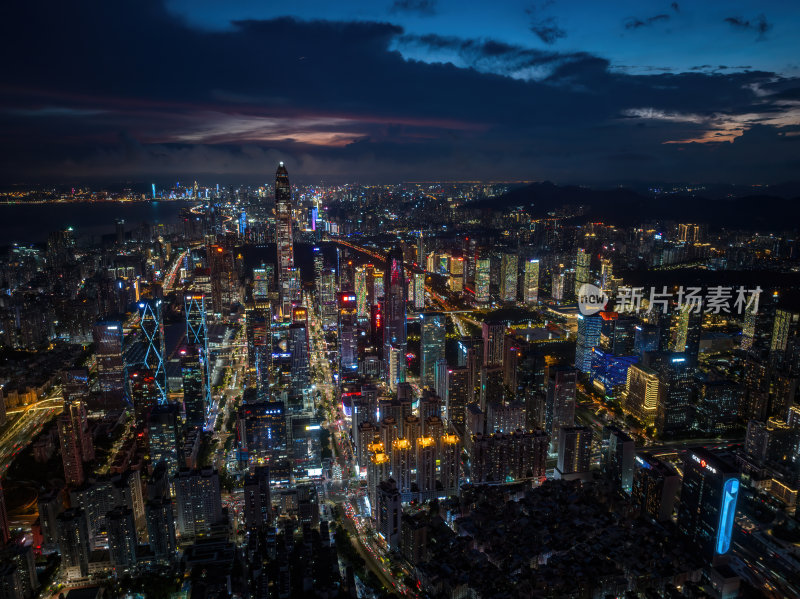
(382, 91)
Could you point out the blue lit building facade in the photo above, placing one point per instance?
(589, 330)
(708, 503)
(152, 324)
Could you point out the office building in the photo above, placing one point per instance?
(197, 338)
(582, 274)
(75, 440)
(192, 373)
(433, 332)
(284, 237)
(262, 430)
(419, 290)
(257, 502)
(618, 461)
(641, 394)
(482, 280)
(655, 487)
(107, 336)
(508, 278)
(152, 324)
(560, 399)
(493, 343)
(589, 331)
(348, 328)
(259, 347)
(708, 502)
(530, 288)
(394, 312)
(145, 395)
(163, 437)
(675, 385)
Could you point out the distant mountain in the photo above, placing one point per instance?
(625, 207)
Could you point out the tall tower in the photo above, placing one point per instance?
(582, 264)
(395, 311)
(153, 328)
(197, 337)
(283, 235)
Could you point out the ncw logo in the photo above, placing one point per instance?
(591, 299)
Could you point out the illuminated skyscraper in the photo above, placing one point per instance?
(493, 343)
(456, 281)
(298, 348)
(362, 299)
(508, 277)
(111, 372)
(152, 324)
(560, 401)
(163, 437)
(419, 290)
(259, 347)
(582, 274)
(674, 394)
(785, 325)
(262, 281)
(531, 283)
(687, 335)
(689, 233)
(144, 395)
(75, 440)
(197, 338)
(432, 342)
(193, 398)
(394, 332)
(748, 329)
(589, 330)
(642, 393)
(283, 234)
(262, 429)
(708, 502)
(482, 280)
(348, 343)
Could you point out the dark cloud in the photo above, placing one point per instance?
(759, 25)
(141, 94)
(634, 23)
(675, 6)
(422, 7)
(548, 30)
(544, 26)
